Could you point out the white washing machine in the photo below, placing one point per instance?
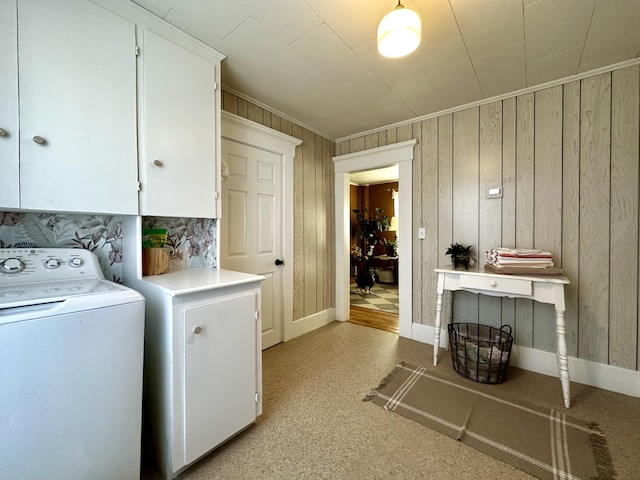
(71, 353)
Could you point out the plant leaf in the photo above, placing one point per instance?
(38, 233)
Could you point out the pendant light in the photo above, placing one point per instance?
(399, 32)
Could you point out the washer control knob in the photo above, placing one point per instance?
(76, 262)
(51, 263)
(12, 265)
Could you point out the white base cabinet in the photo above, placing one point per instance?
(219, 371)
(203, 361)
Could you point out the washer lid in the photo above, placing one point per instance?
(20, 295)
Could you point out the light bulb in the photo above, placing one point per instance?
(399, 32)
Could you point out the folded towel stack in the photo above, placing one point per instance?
(507, 258)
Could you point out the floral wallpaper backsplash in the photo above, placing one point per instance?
(100, 234)
(192, 241)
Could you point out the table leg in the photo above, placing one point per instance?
(561, 354)
(449, 311)
(436, 334)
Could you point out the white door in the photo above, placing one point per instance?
(251, 226)
(220, 401)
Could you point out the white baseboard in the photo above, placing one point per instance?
(599, 375)
(310, 323)
(425, 334)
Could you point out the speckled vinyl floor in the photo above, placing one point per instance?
(316, 426)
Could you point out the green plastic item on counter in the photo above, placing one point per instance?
(155, 238)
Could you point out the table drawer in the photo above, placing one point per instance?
(498, 285)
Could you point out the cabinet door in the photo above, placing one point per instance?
(77, 73)
(220, 372)
(178, 160)
(9, 181)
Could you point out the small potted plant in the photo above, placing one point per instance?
(461, 256)
(391, 247)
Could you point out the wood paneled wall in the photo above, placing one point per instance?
(567, 158)
(313, 233)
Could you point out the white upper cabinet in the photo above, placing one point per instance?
(9, 166)
(77, 104)
(111, 98)
(179, 127)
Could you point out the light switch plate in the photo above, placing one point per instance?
(494, 192)
(422, 233)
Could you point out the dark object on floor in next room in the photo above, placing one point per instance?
(365, 281)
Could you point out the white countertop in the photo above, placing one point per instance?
(189, 280)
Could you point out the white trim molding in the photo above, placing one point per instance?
(607, 377)
(242, 130)
(398, 153)
(308, 324)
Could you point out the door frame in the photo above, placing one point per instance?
(401, 154)
(241, 130)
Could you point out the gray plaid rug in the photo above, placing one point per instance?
(547, 444)
(383, 297)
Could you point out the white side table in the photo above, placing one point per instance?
(543, 288)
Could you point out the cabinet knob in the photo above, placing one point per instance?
(3, 132)
(39, 140)
(197, 330)
(157, 163)
(493, 284)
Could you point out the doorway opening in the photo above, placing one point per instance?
(400, 154)
(374, 208)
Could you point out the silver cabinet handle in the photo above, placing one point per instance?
(197, 330)
(3, 132)
(39, 140)
(157, 163)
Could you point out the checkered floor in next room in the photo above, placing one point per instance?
(383, 297)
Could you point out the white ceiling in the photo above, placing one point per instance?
(373, 177)
(315, 61)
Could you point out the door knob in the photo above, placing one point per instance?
(279, 262)
(197, 330)
(39, 140)
(3, 132)
(157, 163)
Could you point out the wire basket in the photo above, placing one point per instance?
(480, 352)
